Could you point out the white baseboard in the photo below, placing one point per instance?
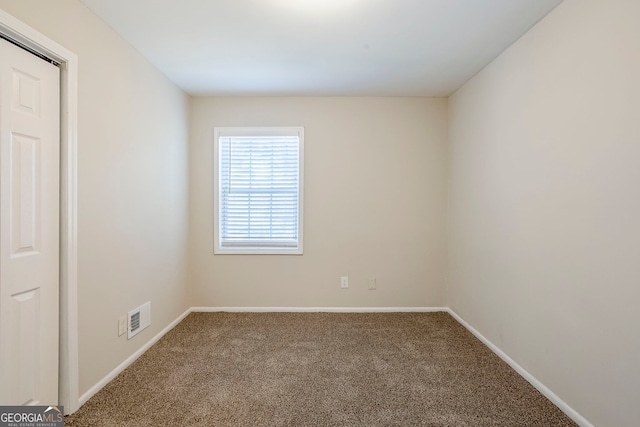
(564, 407)
(318, 309)
(124, 365)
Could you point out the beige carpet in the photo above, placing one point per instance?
(319, 369)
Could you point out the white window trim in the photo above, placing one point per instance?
(248, 250)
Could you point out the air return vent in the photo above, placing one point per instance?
(139, 319)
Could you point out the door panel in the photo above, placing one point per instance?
(29, 227)
(25, 188)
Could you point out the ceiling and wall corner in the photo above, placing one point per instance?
(321, 48)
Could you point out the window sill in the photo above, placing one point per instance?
(257, 251)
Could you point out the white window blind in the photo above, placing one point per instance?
(259, 187)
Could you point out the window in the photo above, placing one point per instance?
(258, 183)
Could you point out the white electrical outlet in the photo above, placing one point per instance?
(372, 283)
(122, 326)
(344, 282)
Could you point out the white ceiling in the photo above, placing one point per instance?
(321, 47)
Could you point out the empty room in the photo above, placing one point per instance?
(320, 212)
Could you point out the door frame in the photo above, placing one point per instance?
(68, 371)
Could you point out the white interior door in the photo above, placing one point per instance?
(29, 227)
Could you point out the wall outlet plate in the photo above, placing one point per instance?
(372, 283)
(122, 326)
(344, 282)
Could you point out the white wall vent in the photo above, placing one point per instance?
(139, 319)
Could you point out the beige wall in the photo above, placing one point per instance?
(374, 204)
(132, 161)
(545, 205)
